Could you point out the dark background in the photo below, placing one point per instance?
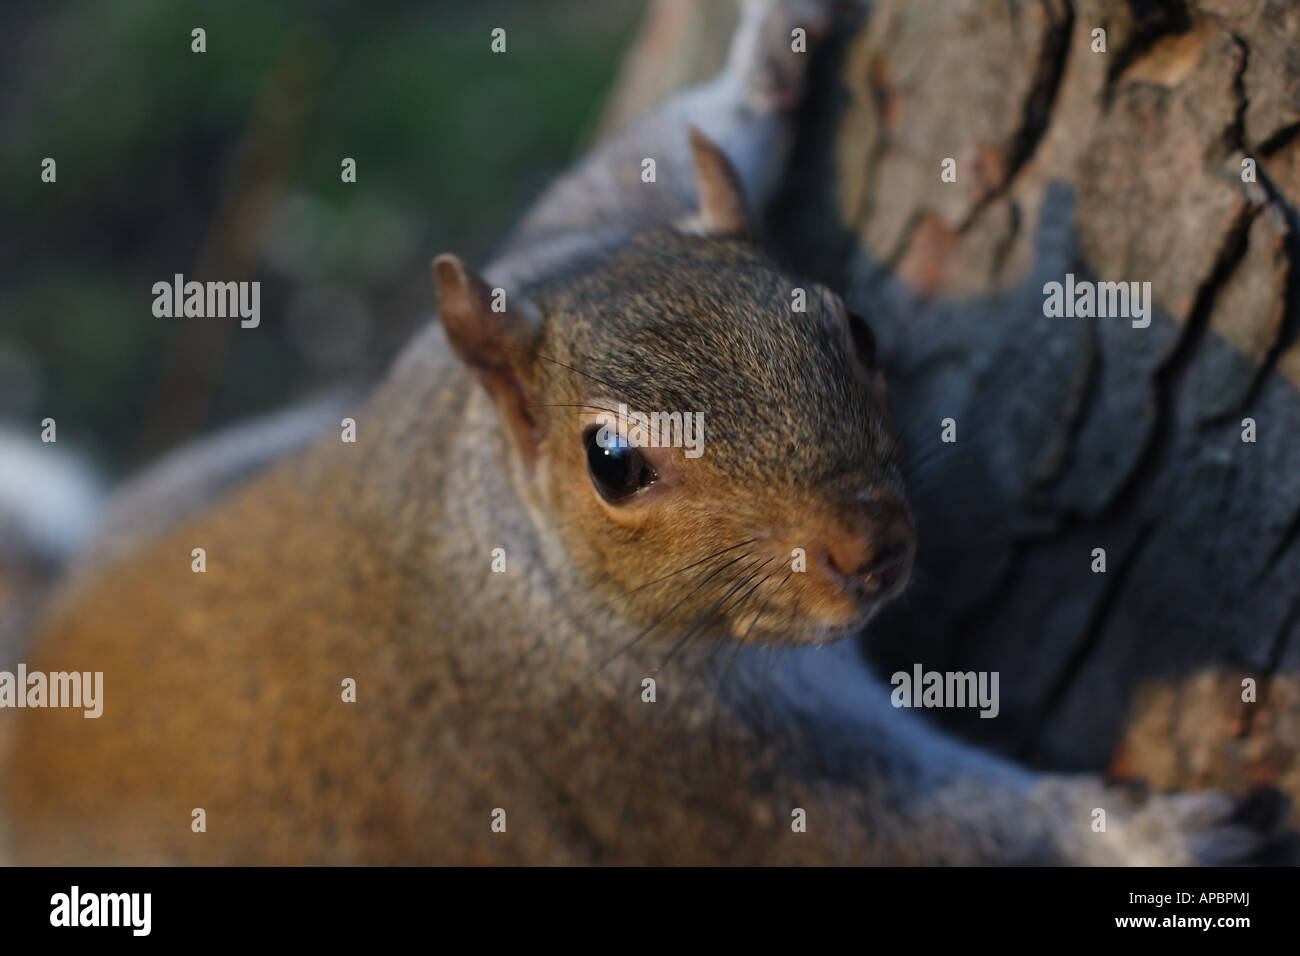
(225, 165)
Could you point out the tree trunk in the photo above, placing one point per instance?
(1074, 434)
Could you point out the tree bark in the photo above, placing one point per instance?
(1074, 434)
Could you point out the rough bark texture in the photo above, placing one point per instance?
(1075, 434)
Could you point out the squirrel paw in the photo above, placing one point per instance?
(1188, 829)
(1213, 829)
(1255, 831)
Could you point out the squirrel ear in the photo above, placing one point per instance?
(722, 198)
(495, 343)
(860, 339)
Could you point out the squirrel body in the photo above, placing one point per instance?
(504, 716)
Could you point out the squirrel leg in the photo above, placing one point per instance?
(916, 795)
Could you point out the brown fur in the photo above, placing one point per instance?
(523, 690)
(475, 689)
(479, 690)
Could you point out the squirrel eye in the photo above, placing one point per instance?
(617, 470)
(864, 340)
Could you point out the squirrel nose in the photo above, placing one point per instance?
(874, 557)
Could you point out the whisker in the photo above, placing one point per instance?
(741, 580)
(763, 607)
(588, 615)
(738, 643)
(659, 620)
(671, 574)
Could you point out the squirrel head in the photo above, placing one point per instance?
(702, 440)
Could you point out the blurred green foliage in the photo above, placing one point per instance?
(170, 159)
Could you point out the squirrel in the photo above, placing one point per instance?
(645, 676)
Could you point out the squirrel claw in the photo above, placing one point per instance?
(1214, 829)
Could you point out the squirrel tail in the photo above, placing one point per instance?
(58, 521)
(49, 500)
